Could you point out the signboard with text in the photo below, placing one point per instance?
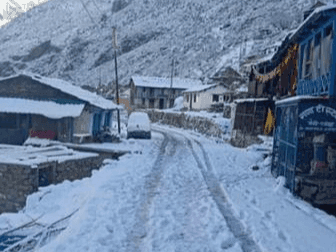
(317, 117)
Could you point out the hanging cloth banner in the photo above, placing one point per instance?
(270, 122)
(279, 69)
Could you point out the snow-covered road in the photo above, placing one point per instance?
(183, 207)
(182, 192)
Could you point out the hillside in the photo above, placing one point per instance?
(63, 39)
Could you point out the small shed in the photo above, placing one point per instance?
(248, 118)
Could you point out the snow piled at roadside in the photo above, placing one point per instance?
(112, 187)
(278, 220)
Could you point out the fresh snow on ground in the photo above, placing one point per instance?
(149, 204)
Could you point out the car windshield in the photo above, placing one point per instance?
(138, 118)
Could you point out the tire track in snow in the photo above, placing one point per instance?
(242, 234)
(152, 181)
(218, 194)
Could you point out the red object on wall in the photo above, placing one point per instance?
(47, 134)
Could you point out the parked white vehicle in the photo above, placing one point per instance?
(139, 126)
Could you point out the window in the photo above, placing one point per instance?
(171, 103)
(151, 103)
(309, 50)
(328, 30)
(151, 91)
(143, 101)
(215, 98)
(187, 97)
(194, 97)
(302, 50)
(107, 119)
(318, 39)
(308, 60)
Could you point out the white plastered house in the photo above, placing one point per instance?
(202, 97)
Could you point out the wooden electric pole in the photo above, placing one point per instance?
(171, 84)
(115, 46)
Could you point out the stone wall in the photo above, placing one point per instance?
(77, 169)
(202, 125)
(16, 183)
(180, 120)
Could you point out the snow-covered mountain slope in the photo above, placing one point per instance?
(72, 40)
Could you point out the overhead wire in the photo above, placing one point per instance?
(87, 11)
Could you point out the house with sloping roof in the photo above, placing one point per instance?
(36, 106)
(160, 93)
(204, 96)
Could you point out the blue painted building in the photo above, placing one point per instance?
(304, 149)
(36, 106)
(317, 53)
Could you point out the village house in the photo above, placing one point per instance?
(303, 78)
(160, 93)
(36, 106)
(204, 96)
(228, 77)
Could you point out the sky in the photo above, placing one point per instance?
(9, 8)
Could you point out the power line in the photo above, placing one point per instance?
(87, 11)
(95, 4)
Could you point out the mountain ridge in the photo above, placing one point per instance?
(73, 40)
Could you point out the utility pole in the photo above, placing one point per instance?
(171, 82)
(115, 46)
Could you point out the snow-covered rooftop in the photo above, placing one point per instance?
(296, 98)
(76, 91)
(157, 82)
(327, 7)
(199, 88)
(250, 100)
(48, 109)
(33, 156)
(71, 89)
(242, 89)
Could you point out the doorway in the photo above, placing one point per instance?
(151, 103)
(171, 103)
(161, 104)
